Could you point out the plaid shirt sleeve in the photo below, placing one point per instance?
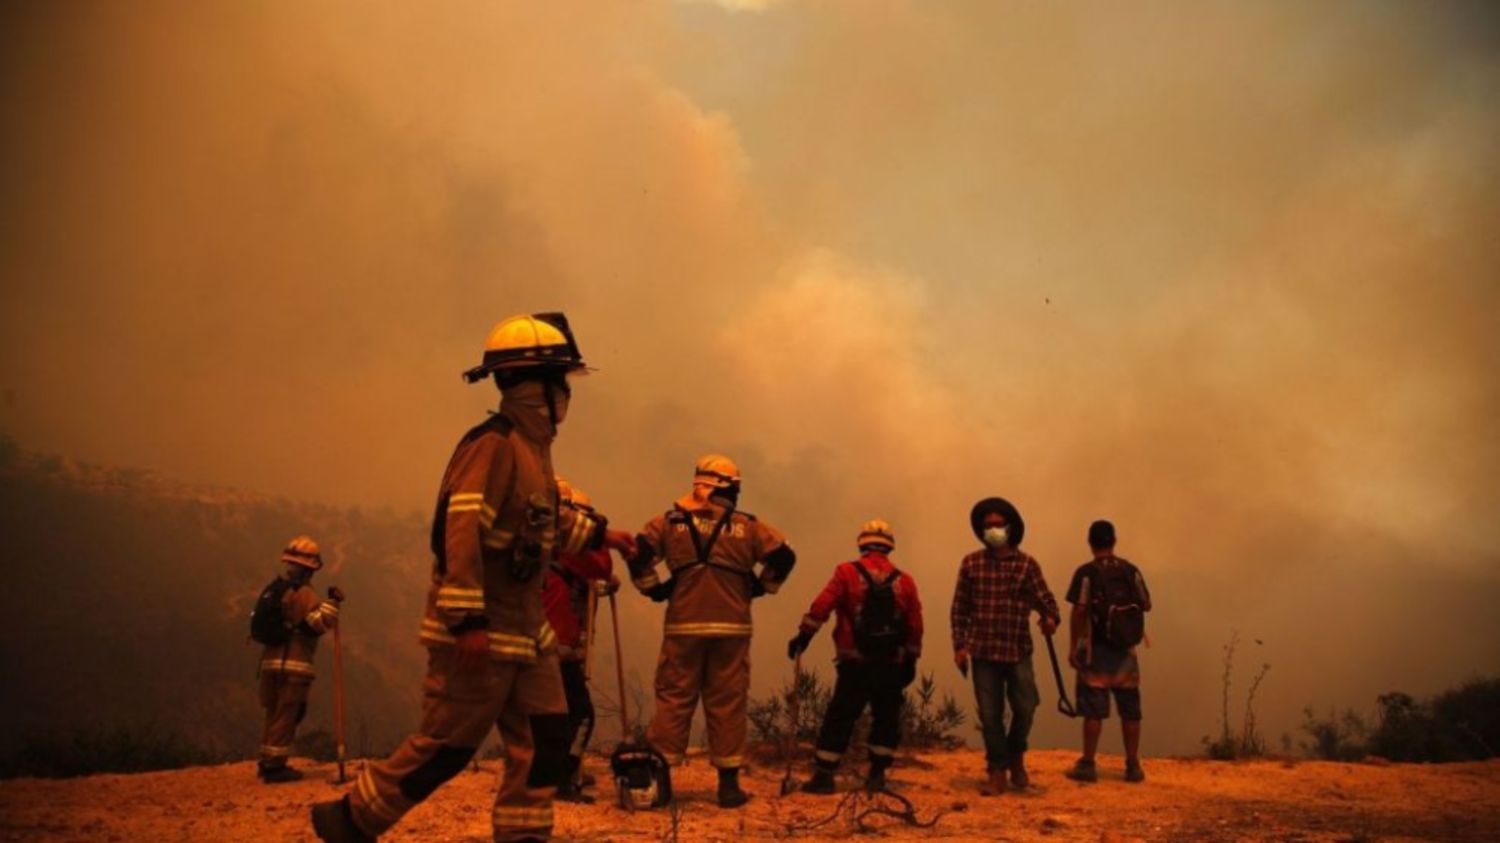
(1037, 585)
(962, 615)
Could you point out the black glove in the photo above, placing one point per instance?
(798, 644)
(335, 594)
(908, 671)
(757, 588)
(661, 591)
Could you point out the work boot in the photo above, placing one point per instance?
(571, 791)
(333, 823)
(730, 795)
(1133, 772)
(875, 781)
(279, 774)
(1083, 771)
(821, 783)
(1019, 780)
(995, 784)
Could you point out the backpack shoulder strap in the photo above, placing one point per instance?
(703, 550)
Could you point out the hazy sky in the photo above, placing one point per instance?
(1225, 273)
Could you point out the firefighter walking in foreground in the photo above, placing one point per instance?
(492, 657)
(878, 638)
(711, 550)
(565, 597)
(288, 619)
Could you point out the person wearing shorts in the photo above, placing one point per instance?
(1105, 670)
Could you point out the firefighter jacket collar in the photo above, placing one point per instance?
(525, 404)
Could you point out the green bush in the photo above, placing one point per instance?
(1338, 737)
(1460, 724)
(926, 723)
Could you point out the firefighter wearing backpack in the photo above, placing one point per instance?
(288, 619)
(711, 549)
(878, 639)
(492, 656)
(1110, 602)
(565, 598)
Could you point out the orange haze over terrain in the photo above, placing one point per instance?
(1224, 273)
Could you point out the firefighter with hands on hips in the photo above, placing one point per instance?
(492, 656)
(710, 550)
(565, 598)
(288, 620)
(878, 639)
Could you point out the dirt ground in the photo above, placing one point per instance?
(1182, 800)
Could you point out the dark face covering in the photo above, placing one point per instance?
(537, 405)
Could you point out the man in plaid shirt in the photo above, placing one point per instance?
(998, 589)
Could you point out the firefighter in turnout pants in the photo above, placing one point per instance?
(492, 657)
(565, 598)
(878, 638)
(711, 550)
(286, 667)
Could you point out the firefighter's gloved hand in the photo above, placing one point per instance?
(798, 644)
(661, 591)
(1048, 624)
(757, 588)
(620, 542)
(473, 649)
(908, 670)
(335, 594)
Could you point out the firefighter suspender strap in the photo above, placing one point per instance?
(704, 550)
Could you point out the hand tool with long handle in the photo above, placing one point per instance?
(1063, 705)
(588, 633)
(793, 706)
(338, 696)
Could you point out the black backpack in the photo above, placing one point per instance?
(879, 627)
(1115, 604)
(267, 621)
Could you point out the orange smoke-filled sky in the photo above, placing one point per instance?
(1225, 273)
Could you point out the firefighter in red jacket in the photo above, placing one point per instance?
(565, 598)
(878, 637)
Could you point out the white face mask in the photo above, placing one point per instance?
(996, 537)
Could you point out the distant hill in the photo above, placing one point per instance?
(126, 598)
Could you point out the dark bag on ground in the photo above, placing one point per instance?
(880, 627)
(1115, 604)
(268, 620)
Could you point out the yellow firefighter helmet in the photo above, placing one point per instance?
(541, 339)
(718, 471)
(878, 532)
(302, 551)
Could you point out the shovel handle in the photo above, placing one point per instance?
(1063, 705)
(614, 617)
(338, 697)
